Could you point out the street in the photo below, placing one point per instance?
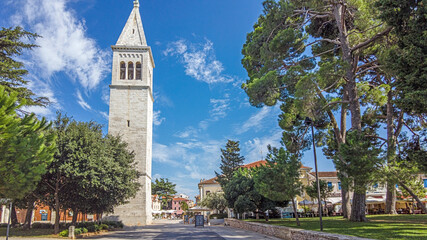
(170, 229)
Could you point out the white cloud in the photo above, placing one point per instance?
(64, 45)
(187, 133)
(257, 119)
(256, 149)
(104, 115)
(157, 120)
(199, 61)
(106, 95)
(82, 102)
(219, 108)
(42, 89)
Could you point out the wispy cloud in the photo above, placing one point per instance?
(157, 119)
(256, 120)
(256, 149)
(64, 45)
(82, 102)
(104, 115)
(199, 61)
(219, 108)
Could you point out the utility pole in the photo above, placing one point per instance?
(310, 122)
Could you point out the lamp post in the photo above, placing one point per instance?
(310, 122)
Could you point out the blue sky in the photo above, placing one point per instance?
(197, 50)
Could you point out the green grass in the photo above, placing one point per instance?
(379, 226)
(32, 233)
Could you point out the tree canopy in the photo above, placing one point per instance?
(13, 42)
(230, 162)
(26, 148)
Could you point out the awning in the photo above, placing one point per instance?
(334, 200)
(199, 209)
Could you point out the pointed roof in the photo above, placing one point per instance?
(133, 32)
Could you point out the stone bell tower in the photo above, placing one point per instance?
(131, 112)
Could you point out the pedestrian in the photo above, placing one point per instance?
(266, 216)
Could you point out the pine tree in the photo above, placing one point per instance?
(230, 162)
(12, 72)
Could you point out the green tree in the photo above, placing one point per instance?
(90, 173)
(13, 41)
(279, 180)
(312, 57)
(215, 201)
(164, 189)
(184, 206)
(26, 148)
(242, 196)
(230, 162)
(325, 190)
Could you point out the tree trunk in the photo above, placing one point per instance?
(423, 207)
(358, 210)
(390, 207)
(14, 216)
(345, 203)
(28, 216)
(57, 209)
(295, 211)
(75, 215)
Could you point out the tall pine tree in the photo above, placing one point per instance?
(230, 162)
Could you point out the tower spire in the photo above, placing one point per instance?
(136, 3)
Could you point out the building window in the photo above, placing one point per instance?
(330, 185)
(376, 185)
(130, 70)
(339, 185)
(397, 185)
(122, 70)
(138, 75)
(425, 183)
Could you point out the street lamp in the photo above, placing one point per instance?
(310, 122)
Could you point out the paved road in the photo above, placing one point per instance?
(175, 230)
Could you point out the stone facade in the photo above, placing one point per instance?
(286, 232)
(131, 112)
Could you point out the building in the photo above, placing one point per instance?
(131, 112)
(176, 205)
(156, 203)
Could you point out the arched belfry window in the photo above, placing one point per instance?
(130, 70)
(122, 70)
(138, 75)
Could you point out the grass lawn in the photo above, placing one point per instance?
(378, 227)
(34, 233)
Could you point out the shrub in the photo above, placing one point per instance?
(42, 225)
(85, 224)
(218, 216)
(84, 230)
(3, 225)
(103, 227)
(114, 224)
(64, 233)
(78, 231)
(93, 228)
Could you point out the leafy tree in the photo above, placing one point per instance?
(26, 148)
(12, 44)
(184, 206)
(215, 201)
(242, 196)
(89, 173)
(325, 190)
(164, 189)
(313, 57)
(230, 162)
(279, 180)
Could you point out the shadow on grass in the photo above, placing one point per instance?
(19, 232)
(380, 227)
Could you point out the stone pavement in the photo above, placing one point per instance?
(169, 229)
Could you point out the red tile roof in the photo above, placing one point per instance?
(249, 165)
(326, 174)
(179, 199)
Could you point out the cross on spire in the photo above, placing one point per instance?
(136, 3)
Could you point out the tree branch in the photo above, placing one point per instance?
(374, 136)
(373, 39)
(335, 102)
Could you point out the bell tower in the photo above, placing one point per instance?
(131, 112)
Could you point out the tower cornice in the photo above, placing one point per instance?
(123, 48)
